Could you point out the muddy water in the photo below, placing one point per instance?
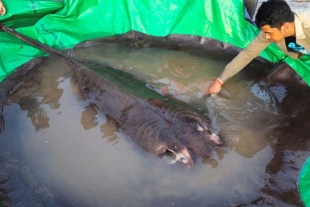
(58, 150)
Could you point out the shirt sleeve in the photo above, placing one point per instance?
(245, 56)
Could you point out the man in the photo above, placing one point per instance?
(278, 24)
(2, 9)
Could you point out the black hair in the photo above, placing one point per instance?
(274, 13)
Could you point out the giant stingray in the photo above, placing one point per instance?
(158, 124)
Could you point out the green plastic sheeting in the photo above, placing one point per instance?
(304, 183)
(64, 23)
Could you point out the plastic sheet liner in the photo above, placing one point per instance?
(304, 183)
(64, 23)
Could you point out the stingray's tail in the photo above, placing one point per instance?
(31, 41)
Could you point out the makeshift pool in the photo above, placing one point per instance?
(58, 150)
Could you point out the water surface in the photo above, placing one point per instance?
(57, 149)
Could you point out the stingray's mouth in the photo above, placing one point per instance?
(172, 157)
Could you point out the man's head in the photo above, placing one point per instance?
(275, 18)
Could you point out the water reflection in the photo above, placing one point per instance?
(35, 112)
(74, 145)
(88, 119)
(109, 128)
(40, 89)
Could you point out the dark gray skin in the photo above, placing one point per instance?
(134, 115)
(158, 124)
(155, 122)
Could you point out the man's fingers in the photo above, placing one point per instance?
(214, 89)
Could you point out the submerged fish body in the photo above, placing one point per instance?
(135, 117)
(158, 124)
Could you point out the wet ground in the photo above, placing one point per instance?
(57, 149)
(294, 4)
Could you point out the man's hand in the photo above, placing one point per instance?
(215, 87)
(2, 9)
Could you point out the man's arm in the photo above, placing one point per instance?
(2, 9)
(240, 61)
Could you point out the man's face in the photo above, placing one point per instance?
(273, 34)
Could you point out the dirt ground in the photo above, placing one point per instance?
(294, 4)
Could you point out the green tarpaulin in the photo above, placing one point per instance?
(63, 24)
(304, 183)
